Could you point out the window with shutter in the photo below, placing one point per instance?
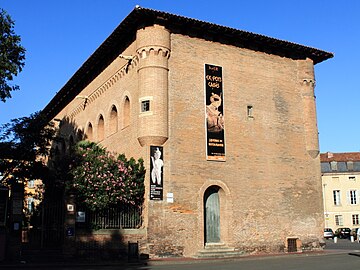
(339, 220)
(336, 195)
(352, 197)
(355, 219)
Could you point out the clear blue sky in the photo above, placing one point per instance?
(60, 35)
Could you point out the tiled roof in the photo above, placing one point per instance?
(340, 157)
(125, 33)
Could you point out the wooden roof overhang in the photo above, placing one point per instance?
(140, 17)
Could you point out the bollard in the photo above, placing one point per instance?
(352, 239)
(335, 239)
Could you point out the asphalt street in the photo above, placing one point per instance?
(342, 244)
(342, 261)
(344, 255)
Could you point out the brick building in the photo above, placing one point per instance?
(226, 123)
(341, 189)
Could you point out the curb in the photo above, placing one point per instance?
(169, 261)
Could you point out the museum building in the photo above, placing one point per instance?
(225, 120)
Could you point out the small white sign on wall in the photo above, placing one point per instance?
(80, 216)
(170, 197)
(70, 207)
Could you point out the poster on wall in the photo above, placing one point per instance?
(156, 172)
(214, 105)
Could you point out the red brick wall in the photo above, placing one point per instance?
(270, 186)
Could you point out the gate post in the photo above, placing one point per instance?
(69, 247)
(4, 198)
(13, 252)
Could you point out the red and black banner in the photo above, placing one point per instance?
(215, 121)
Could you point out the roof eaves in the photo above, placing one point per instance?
(140, 17)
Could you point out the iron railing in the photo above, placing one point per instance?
(124, 217)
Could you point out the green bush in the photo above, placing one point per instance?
(101, 180)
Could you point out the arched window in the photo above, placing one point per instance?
(101, 128)
(113, 120)
(89, 132)
(79, 135)
(126, 112)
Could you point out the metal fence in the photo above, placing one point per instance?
(47, 226)
(124, 217)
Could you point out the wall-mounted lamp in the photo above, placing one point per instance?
(85, 98)
(82, 97)
(128, 58)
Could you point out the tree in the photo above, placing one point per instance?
(12, 55)
(22, 142)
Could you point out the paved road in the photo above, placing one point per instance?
(342, 244)
(336, 261)
(343, 255)
(342, 261)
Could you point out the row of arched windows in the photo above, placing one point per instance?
(103, 129)
(104, 126)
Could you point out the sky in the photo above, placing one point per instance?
(59, 36)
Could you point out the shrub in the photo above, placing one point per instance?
(101, 180)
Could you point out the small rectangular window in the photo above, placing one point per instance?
(339, 220)
(31, 183)
(145, 106)
(336, 195)
(30, 205)
(250, 111)
(352, 178)
(333, 165)
(355, 219)
(352, 196)
(292, 245)
(350, 165)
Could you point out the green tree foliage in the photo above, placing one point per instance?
(12, 55)
(101, 180)
(22, 142)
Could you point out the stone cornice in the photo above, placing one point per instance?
(125, 34)
(105, 86)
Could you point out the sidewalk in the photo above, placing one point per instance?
(169, 261)
(68, 263)
(165, 261)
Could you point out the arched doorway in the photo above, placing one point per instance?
(212, 215)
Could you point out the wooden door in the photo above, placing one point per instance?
(212, 217)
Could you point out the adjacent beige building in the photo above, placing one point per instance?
(232, 116)
(341, 189)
